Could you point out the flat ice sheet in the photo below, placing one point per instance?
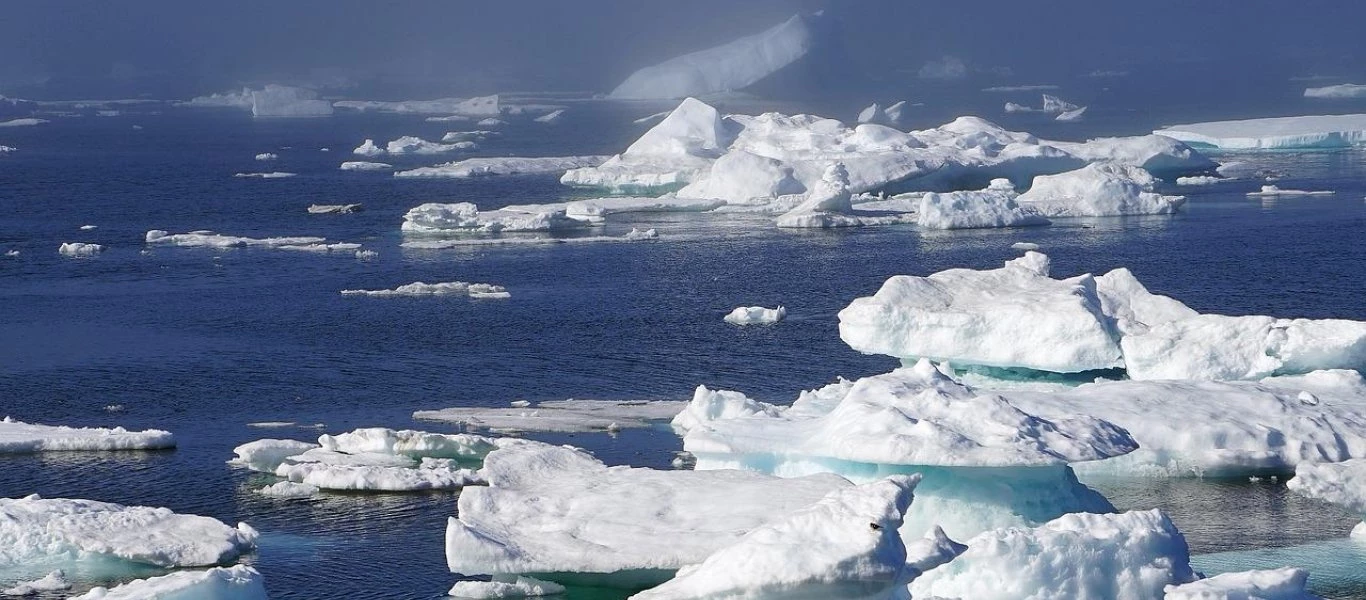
(561, 415)
(21, 438)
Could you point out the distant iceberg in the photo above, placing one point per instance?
(284, 101)
(730, 67)
(452, 288)
(20, 438)
(751, 315)
(561, 416)
(480, 106)
(79, 249)
(362, 165)
(504, 165)
(1346, 90)
(1308, 132)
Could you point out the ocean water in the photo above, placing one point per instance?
(203, 342)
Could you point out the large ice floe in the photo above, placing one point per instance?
(373, 459)
(36, 530)
(1097, 190)
(777, 161)
(560, 415)
(1129, 556)
(209, 239)
(239, 582)
(448, 288)
(557, 513)
(465, 217)
(728, 67)
(1270, 584)
(21, 438)
(1330, 131)
(1346, 90)
(994, 206)
(1020, 317)
(504, 165)
(985, 462)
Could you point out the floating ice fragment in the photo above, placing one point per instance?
(222, 583)
(552, 117)
(452, 288)
(1198, 180)
(1307, 132)
(751, 315)
(507, 165)
(1098, 190)
(361, 165)
(1346, 90)
(561, 416)
(267, 156)
(79, 249)
(21, 438)
(26, 122)
(1271, 191)
(323, 209)
(270, 175)
(368, 148)
(1273, 584)
(54, 582)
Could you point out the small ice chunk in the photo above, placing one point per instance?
(362, 165)
(505, 586)
(54, 582)
(994, 206)
(551, 117)
(267, 455)
(323, 209)
(1274, 192)
(491, 122)
(79, 249)
(1198, 180)
(366, 255)
(1024, 246)
(269, 175)
(289, 490)
(368, 148)
(751, 315)
(709, 405)
(415, 145)
(267, 156)
(239, 582)
(1341, 483)
(1071, 116)
(465, 217)
(88, 227)
(452, 288)
(1345, 90)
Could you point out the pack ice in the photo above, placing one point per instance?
(503, 165)
(1332, 131)
(465, 217)
(44, 529)
(1019, 317)
(21, 438)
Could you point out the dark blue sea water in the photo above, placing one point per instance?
(202, 342)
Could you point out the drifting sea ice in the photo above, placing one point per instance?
(465, 217)
(670, 154)
(1346, 90)
(1270, 584)
(461, 107)
(267, 156)
(504, 165)
(1334, 131)
(1341, 483)
(598, 209)
(35, 528)
(994, 206)
(1128, 556)
(551, 117)
(22, 438)
(414, 145)
(556, 510)
(368, 148)
(269, 175)
(752, 315)
(79, 249)
(1071, 116)
(239, 582)
(846, 545)
(568, 416)
(1271, 191)
(1198, 180)
(209, 239)
(362, 165)
(452, 288)
(505, 587)
(26, 122)
(1098, 190)
(331, 209)
(985, 462)
(284, 101)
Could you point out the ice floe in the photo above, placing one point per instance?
(21, 438)
(329, 209)
(79, 249)
(634, 235)
(465, 217)
(1346, 90)
(1098, 190)
(491, 122)
(450, 288)
(729, 67)
(461, 107)
(994, 206)
(1341, 483)
(750, 315)
(1271, 584)
(415, 145)
(1271, 191)
(363, 165)
(55, 581)
(1071, 116)
(1198, 180)
(285, 101)
(239, 582)
(845, 545)
(1129, 556)
(34, 528)
(267, 175)
(504, 165)
(25, 122)
(267, 156)
(368, 148)
(551, 510)
(505, 587)
(560, 415)
(550, 117)
(1307, 132)
(209, 239)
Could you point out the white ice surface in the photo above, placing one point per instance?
(1272, 584)
(267, 175)
(561, 415)
(504, 165)
(994, 206)
(209, 239)
(267, 156)
(239, 582)
(52, 582)
(1097, 190)
(1341, 483)
(284, 101)
(465, 217)
(362, 165)
(751, 315)
(79, 249)
(1248, 347)
(1332, 131)
(326, 209)
(34, 528)
(1271, 191)
(1129, 556)
(1346, 90)
(505, 587)
(25, 122)
(550, 117)
(451, 288)
(21, 438)
(409, 144)
(552, 510)
(463, 107)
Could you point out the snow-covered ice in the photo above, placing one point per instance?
(461, 107)
(1331, 131)
(1271, 191)
(504, 165)
(876, 114)
(21, 438)
(505, 587)
(450, 288)
(552, 510)
(1220, 347)
(267, 156)
(560, 415)
(1198, 180)
(1286, 583)
(1346, 90)
(285, 101)
(238, 582)
(1098, 190)
(1128, 556)
(994, 206)
(845, 545)
(34, 528)
(267, 175)
(751, 315)
(79, 249)
(363, 165)
(465, 217)
(55, 581)
(1341, 483)
(729, 67)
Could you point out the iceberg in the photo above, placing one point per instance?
(1277, 133)
(985, 462)
(1153, 153)
(368, 148)
(414, 145)
(557, 513)
(991, 207)
(79, 249)
(1198, 180)
(267, 156)
(672, 153)
(877, 115)
(711, 405)
(235, 99)
(53, 582)
(269, 175)
(729, 67)
(22, 438)
(1129, 556)
(504, 165)
(597, 209)
(1098, 190)
(465, 217)
(25, 122)
(1015, 316)
(567, 416)
(550, 117)
(333, 209)
(505, 587)
(844, 546)
(1271, 191)
(1346, 90)
(1071, 116)
(1270, 584)
(239, 582)
(451, 288)
(209, 239)
(751, 315)
(34, 528)
(284, 101)
(463, 107)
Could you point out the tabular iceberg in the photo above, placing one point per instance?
(21, 438)
(1334, 131)
(284, 101)
(555, 511)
